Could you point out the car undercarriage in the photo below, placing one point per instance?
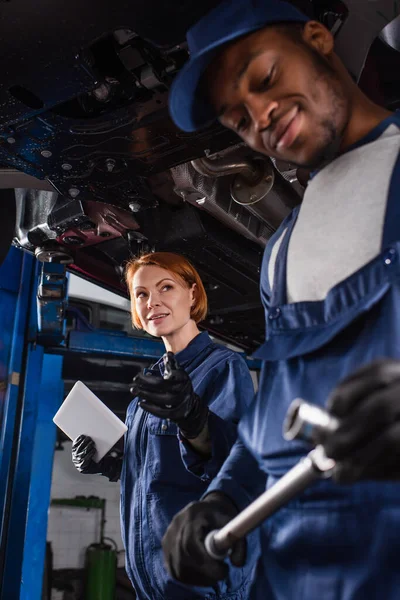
(93, 171)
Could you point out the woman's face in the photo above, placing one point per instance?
(162, 300)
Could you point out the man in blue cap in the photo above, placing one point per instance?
(330, 285)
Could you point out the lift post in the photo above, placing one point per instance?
(21, 484)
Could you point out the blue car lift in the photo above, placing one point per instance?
(33, 300)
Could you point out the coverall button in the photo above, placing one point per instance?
(274, 314)
(390, 256)
(164, 426)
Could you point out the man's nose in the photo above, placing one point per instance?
(260, 109)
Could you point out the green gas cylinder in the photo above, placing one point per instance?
(101, 565)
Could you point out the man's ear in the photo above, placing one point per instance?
(318, 37)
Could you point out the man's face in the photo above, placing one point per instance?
(281, 95)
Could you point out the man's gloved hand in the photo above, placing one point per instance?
(183, 543)
(367, 442)
(83, 451)
(172, 397)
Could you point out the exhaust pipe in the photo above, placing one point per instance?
(257, 186)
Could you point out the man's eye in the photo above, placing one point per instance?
(242, 124)
(266, 82)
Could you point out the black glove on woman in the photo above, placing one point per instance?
(183, 543)
(83, 451)
(367, 442)
(172, 397)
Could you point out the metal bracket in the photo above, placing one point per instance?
(364, 23)
(51, 304)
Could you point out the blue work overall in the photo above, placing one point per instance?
(161, 474)
(334, 542)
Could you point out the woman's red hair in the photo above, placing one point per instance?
(179, 266)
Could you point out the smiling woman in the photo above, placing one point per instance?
(167, 297)
(181, 424)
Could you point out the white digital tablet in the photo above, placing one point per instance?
(82, 412)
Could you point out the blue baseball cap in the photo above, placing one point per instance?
(227, 22)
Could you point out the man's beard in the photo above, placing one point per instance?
(329, 151)
(331, 126)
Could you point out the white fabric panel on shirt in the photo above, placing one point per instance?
(340, 224)
(272, 258)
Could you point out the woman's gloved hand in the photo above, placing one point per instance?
(367, 442)
(172, 397)
(83, 451)
(183, 543)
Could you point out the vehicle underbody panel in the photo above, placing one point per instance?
(100, 171)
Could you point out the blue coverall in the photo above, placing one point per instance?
(161, 473)
(333, 542)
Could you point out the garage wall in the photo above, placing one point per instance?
(70, 529)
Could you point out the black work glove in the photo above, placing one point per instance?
(367, 442)
(183, 543)
(83, 451)
(172, 397)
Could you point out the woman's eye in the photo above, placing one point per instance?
(167, 287)
(141, 295)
